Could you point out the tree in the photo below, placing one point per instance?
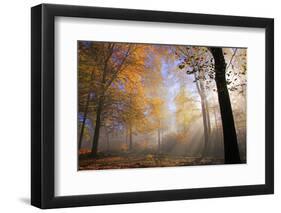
(200, 85)
(157, 115)
(197, 67)
(88, 71)
(116, 67)
(231, 150)
(211, 62)
(156, 91)
(134, 109)
(108, 75)
(185, 107)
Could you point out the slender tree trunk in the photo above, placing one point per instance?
(204, 98)
(84, 121)
(216, 135)
(159, 140)
(231, 150)
(107, 141)
(85, 113)
(208, 117)
(130, 138)
(205, 123)
(100, 108)
(216, 119)
(126, 136)
(204, 116)
(97, 128)
(207, 145)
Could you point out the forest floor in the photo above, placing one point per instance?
(141, 161)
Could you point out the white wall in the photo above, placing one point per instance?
(15, 105)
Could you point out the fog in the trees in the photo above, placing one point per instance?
(158, 105)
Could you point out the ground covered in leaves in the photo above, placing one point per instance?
(86, 162)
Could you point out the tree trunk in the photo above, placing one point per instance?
(130, 138)
(204, 116)
(97, 128)
(85, 113)
(126, 136)
(159, 140)
(231, 150)
(216, 119)
(207, 114)
(205, 124)
(208, 117)
(99, 110)
(107, 141)
(84, 121)
(204, 99)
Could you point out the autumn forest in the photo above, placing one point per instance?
(158, 105)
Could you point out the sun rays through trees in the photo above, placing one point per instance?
(148, 105)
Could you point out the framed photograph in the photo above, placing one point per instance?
(139, 106)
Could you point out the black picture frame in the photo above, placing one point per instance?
(43, 117)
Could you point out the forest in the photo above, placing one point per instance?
(158, 105)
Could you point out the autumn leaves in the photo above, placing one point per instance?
(111, 90)
(122, 89)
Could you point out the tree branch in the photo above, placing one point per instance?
(231, 58)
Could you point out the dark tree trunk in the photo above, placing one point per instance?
(99, 109)
(100, 104)
(85, 113)
(97, 128)
(231, 150)
(84, 121)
